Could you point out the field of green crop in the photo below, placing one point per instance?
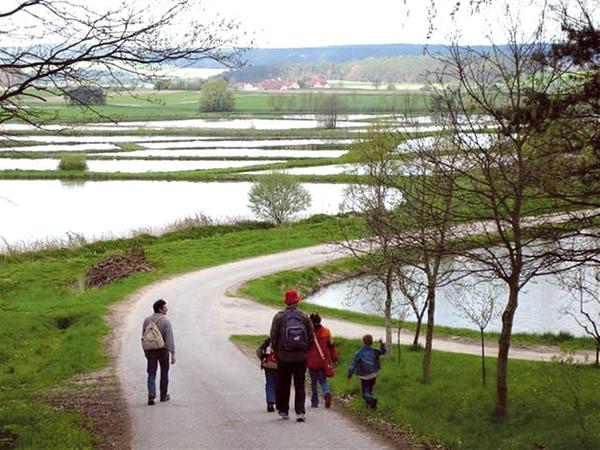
(155, 105)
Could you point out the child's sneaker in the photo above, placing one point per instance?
(300, 418)
(270, 407)
(284, 416)
(374, 404)
(327, 400)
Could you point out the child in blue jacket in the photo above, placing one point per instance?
(366, 366)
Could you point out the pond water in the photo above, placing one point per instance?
(234, 153)
(331, 169)
(61, 148)
(83, 139)
(225, 124)
(131, 165)
(245, 143)
(162, 142)
(539, 310)
(41, 210)
(427, 142)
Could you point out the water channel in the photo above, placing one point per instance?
(539, 310)
(132, 165)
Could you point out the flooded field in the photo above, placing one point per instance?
(234, 153)
(42, 210)
(131, 165)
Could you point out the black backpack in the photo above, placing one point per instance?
(294, 335)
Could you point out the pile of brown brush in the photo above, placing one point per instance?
(116, 267)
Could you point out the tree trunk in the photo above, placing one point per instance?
(415, 343)
(388, 312)
(429, 334)
(597, 355)
(483, 371)
(503, 348)
(399, 334)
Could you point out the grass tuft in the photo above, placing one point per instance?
(72, 162)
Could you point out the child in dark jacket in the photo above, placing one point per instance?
(268, 362)
(366, 366)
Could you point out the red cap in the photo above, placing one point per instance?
(292, 297)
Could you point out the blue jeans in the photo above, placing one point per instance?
(156, 358)
(367, 390)
(317, 377)
(270, 385)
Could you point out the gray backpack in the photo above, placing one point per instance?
(152, 338)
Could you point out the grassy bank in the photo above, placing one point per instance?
(554, 406)
(268, 290)
(52, 329)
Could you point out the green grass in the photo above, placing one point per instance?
(155, 105)
(52, 330)
(268, 290)
(456, 411)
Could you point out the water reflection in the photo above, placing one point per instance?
(539, 310)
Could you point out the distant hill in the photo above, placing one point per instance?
(399, 69)
(331, 54)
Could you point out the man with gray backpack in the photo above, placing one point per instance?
(291, 335)
(157, 343)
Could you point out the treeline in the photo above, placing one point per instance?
(401, 69)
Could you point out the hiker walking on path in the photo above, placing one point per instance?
(291, 335)
(158, 342)
(268, 363)
(366, 365)
(322, 351)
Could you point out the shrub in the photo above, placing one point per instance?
(85, 96)
(72, 161)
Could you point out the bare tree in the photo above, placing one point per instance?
(50, 46)
(373, 197)
(414, 291)
(328, 110)
(583, 284)
(503, 91)
(407, 217)
(402, 311)
(478, 303)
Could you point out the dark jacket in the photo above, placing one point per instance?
(276, 341)
(366, 361)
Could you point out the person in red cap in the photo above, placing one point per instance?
(291, 335)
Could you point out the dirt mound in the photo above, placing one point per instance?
(116, 267)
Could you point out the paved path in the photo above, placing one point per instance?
(217, 392)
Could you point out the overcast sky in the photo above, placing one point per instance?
(310, 23)
(314, 23)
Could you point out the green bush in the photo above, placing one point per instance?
(72, 162)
